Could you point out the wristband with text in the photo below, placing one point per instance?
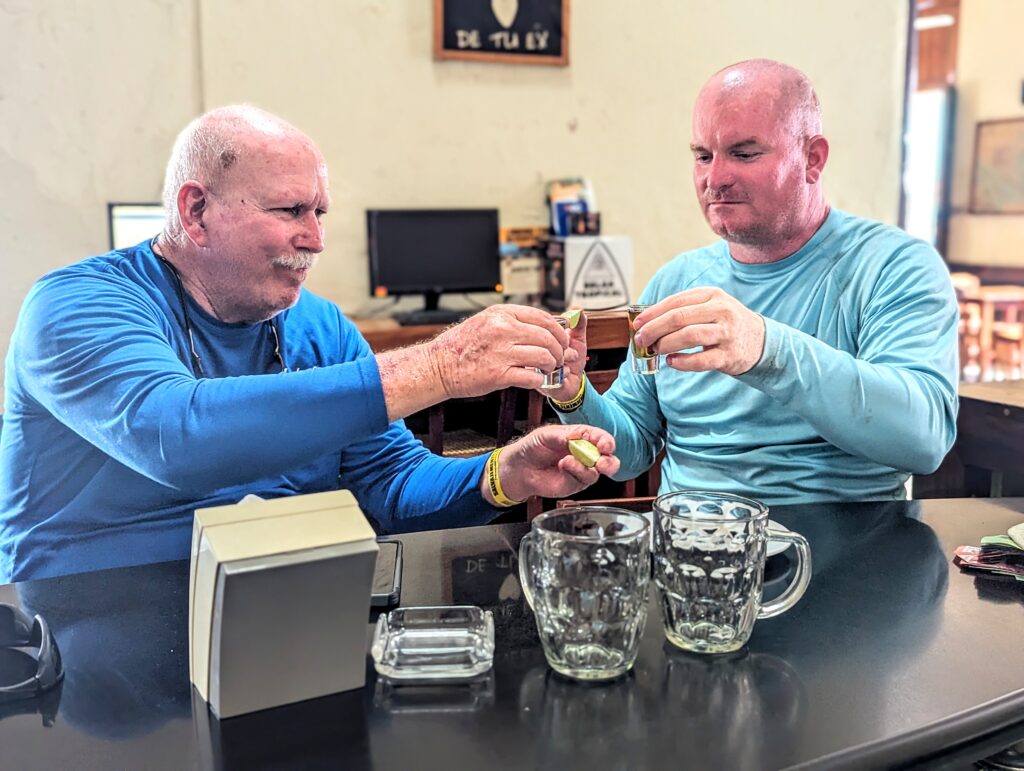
(494, 482)
(575, 402)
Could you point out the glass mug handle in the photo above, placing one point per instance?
(525, 546)
(798, 586)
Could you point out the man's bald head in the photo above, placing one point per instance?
(212, 144)
(786, 89)
(758, 158)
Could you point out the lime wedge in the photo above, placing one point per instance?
(573, 317)
(585, 452)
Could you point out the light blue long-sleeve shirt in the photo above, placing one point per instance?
(855, 390)
(110, 442)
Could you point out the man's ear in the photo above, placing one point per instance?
(817, 156)
(192, 200)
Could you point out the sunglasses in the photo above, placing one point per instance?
(30, 663)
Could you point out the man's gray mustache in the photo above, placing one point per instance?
(303, 260)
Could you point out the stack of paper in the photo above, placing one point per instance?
(279, 598)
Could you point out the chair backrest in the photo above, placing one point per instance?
(643, 503)
(607, 329)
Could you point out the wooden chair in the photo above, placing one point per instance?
(643, 503)
(472, 442)
(964, 283)
(1007, 342)
(996, 304)
(384, 334)
(970, 341)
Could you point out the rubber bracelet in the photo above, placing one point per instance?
(494, 482)
(574, 403)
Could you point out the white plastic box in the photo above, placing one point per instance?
(279, 601)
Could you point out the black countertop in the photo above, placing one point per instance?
(893, 657)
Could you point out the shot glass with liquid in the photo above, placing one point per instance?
(556, 377)
(643, 360)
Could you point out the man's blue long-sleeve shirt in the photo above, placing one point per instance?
(855, 390)
(110, 442)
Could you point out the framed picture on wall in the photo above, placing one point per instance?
(510, 31)
(997, 176)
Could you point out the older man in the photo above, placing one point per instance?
(811, 354)
(194, 369)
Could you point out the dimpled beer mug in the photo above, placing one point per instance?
(642, 359)
(584, 571)
(709, 553)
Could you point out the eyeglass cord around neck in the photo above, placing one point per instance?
(197, 363)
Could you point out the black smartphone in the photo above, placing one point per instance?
(387, 577)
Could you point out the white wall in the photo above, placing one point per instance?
(91, 97)
(990, 68)
(94, 93)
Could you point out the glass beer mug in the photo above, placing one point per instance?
(585, 572)
(709, 554)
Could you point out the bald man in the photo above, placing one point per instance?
(810, 355)
(193, 369)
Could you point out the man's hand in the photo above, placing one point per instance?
(731, 334)
(540, 463)
(575, 361)
(499, 347)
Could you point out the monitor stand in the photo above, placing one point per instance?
(430, 313)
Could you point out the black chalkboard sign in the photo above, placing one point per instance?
(521, 31)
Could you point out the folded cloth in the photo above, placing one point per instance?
(1017, 534)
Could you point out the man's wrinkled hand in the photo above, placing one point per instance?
(730, 334)
(499, 347)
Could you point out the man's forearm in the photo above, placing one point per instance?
(902, 417)
(410, 380)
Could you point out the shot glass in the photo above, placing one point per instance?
(642, 360)
(556, 377)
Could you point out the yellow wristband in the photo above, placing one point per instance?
(575, 402)
(494, 483)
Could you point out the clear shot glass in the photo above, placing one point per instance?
(642, 359)
(556, 377)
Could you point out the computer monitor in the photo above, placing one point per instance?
(433, 251)
(132, 223)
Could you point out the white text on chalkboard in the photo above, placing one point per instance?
(504, 40)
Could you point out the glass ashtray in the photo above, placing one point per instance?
(432, 644)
